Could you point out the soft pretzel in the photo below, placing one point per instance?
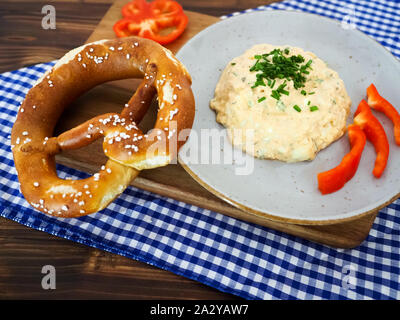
(128, 149)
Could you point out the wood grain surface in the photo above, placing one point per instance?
(84, 272)
(23, 41)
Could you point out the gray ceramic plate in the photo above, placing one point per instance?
(276, 189)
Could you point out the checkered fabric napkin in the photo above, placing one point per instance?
(231, 255)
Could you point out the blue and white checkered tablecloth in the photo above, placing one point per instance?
(231, 255)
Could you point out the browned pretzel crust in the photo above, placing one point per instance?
(128, 149)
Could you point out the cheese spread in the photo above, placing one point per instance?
(293, 104)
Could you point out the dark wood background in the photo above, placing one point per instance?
(82, 272)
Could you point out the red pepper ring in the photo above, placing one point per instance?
(165, 8)
(152, 20)
(334, 179)
(377, 102)
(134, 8)
(151, 28)
(158, 8)
(375, 133)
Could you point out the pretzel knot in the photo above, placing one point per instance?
(129, 150)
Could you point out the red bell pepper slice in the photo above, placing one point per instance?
(137, 8)
(161, 20)
(377, 102)
(375, 133)
(134, 8)
(334, 179)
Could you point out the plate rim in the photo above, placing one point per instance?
(264, 214)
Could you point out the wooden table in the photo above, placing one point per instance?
(82, 272)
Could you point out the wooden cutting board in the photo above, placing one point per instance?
(173, 181)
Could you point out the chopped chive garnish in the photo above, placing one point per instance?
(275, 65)
(310, 93)
(303, 92)
(297, 108)
(275, 95)
(304, 67)
(313, 108)
(280, 90)
(233, 63)
(282, 86)
(308, 103)
(261, 99)
(259, 82)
